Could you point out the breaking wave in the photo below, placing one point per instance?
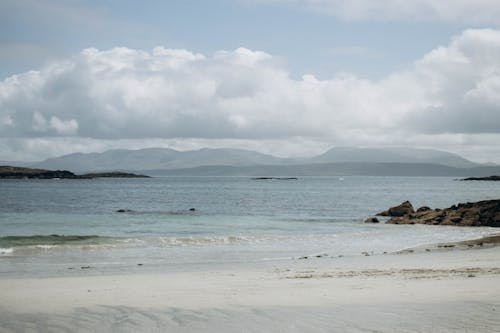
(46, 240)
(6, 251)
(44, 243)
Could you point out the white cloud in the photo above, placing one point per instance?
(462, 79)
(466, 11)
(247, 98)
(55, 125)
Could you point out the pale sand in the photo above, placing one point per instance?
(437, 291)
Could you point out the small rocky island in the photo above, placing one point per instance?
(490, 178)
(474, 214)
(12, 172)
(116, 174)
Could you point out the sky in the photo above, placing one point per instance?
(285, 77)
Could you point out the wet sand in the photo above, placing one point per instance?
(429, 289)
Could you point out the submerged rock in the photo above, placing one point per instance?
(124, 211)
(475, 214)
(372, 220)
(401, 210)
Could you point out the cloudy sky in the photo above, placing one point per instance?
(287, 77)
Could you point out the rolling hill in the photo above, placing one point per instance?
(224, 161)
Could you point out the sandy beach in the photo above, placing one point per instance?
(222, 166)
(439, 289)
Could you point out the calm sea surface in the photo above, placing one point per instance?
(236, 221)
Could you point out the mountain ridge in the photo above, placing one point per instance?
(155, 158)
(393, 155)
(170, 159)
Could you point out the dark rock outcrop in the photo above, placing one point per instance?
(491, 178)
(275, 178)
(116, 174)
(475, 214)
(423, 209)
(401, 210)
(372, 220)
(124, 210)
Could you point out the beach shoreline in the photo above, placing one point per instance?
(446, 289)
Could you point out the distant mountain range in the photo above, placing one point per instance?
(224, 161)
(392, 155)
(156, 158)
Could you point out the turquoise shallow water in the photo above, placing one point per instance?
(236, 221)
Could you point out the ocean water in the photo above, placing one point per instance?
(54, 227)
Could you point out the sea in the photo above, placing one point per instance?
(105, 226)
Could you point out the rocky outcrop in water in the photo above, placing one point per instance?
(117, 174)
(423, 209)
(372, 220)
(490, 178)
(474, 214)
(124, 210)
(400, 210)
(275, 178)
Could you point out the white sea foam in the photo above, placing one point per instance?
(230, 239)
(6, 251)
(205, 240)
(45, 246)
